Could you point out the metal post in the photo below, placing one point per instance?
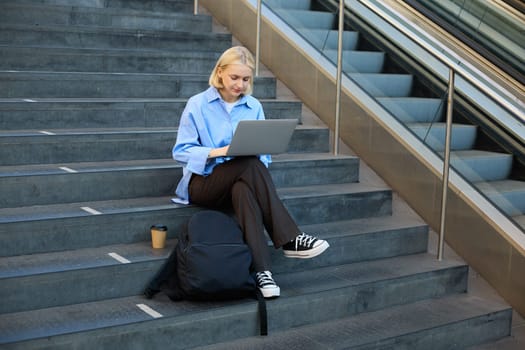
(339, 73)
(258, 38)
(446, 164)
(196, 7)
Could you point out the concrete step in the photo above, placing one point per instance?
(46, 228)
(84, 145)
(305, 19)
(358, 61)
(82, 14)
(477, 165)
(102, 145)
(109, 60)
(290, 4)
(328, 39)
(49, 114)
(307, 297)
(415, 109)
(74, 182)
(463, 136)
(31, 85)
(112, 38)
(150, 5)
(124, 269)
(384, 85)
(508, 195)
(452, 322)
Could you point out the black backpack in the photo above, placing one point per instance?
(210, 262)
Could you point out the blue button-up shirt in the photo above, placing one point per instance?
(205, 124)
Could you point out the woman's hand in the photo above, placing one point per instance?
(218, 152)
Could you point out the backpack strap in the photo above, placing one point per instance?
(171, 265)
(263, 314)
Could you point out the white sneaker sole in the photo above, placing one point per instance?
(307, 254)
(272, 292)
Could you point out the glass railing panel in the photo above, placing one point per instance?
(494, 25)
(419, 101)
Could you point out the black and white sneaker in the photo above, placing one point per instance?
(267, 285)
(305, 246)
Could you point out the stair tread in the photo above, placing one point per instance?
(374, 327)
(104, 10)
(30, 83)
(508, 195)
(63, 168)
(501, 186)
(439, 125)
(38, 75)
(113, 52)
(407, 99)
(53, 211)
(122, 311)
(355, 52)
(476, 153)
(122, 31)
(87, 258)
(36, 101)
(78, 132)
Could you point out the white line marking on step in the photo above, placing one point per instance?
(149, 311)
(69, 170)
(91, 210)
(46, 132)
(29, 100)
(119, 258)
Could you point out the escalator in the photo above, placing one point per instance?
(485, 151)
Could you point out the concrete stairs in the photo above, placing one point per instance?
(432, 321)
(89, 110)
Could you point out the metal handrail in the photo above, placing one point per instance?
(340, 28)
(258, 38)
(446, 164)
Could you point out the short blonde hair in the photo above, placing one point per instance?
(234, 55)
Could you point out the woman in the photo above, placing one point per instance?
(213, 180)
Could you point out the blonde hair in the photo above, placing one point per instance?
(234, 55)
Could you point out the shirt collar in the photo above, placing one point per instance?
(212, 94)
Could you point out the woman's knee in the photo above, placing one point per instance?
(240, 190)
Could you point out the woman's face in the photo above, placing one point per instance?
(235, 79)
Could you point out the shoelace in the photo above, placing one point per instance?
(265, 279)
(304, 240)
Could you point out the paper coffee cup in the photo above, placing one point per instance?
(158, 236)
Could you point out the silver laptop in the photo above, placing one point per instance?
(254, 137)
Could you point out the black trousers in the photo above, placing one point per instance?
(244, 184)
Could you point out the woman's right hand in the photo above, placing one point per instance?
(218, 152)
